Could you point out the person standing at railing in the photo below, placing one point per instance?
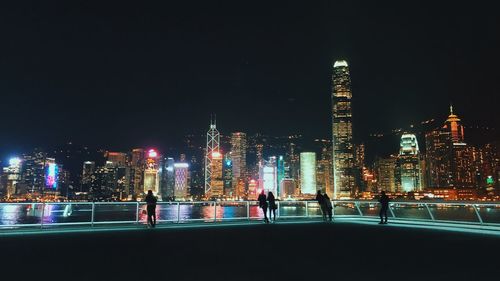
(151, 208)
(384, 206)
(263, 205)
(272, 206)
(321, 202)
(328, 206)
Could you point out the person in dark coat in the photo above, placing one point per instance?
(328, 206)
(151, 208)
(263, 204)
(272, 205)
(384, 206)
(321, 202)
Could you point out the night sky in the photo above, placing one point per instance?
(126, 74)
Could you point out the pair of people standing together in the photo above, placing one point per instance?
(326, 205)
(268, 202)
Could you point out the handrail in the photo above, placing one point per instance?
(304, 209)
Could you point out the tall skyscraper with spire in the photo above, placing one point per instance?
(454, 126)
(214, 185)
(343, 148)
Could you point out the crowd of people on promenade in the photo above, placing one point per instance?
(269, 203)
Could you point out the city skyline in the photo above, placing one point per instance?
(170, 79)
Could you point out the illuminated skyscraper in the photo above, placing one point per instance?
(151, 177)
(181, 180)
(439, 157)
(454, 126)
(239, 159)
(343, 148)
(216, 177)
(268, 176)
(213, 158)
(385, 174)
(308, 173)
(227, 174)
(12, 174)
(167, 179)
(408, 164)
(137, 165)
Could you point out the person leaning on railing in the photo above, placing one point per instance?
(151, 208)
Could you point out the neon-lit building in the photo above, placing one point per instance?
(408, 167)
(151, 175)
(454, 126)
(11, 176)
(268, 176)
(308, 173)
(181, 180)
(216, 177)
(343, 147)
(214, 185)
(239, 160)
(51, 174)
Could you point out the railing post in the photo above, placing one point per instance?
(477, 213)
(215, 211)
(93, 212)
(137, 213)
(248, 210)
(392, 212)
(429, 210)
(359, 209)
(278, 206)
(178, 212)
(307, 209)
(333, 210)
(43, 215)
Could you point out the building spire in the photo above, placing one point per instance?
(451, 109)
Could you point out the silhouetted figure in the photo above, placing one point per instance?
(263, 204)
(321, 202)
(328, 206)
(151, 208)
(272, 205)
(384, 206)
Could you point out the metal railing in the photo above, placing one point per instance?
(46, 215)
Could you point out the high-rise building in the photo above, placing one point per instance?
(287, 188)
(308, 173)
(227, 174)
(214, 185)
(119, 159)
(181, 180)
(216, 176)
(167, 179)
(454, 126)
(268, 176)
(239, 159)
(137, 166)
(439, 157)
(385, 174)
(88, 171)
(151, 176)
(11, 176)
(408, 164)
(342, 138)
